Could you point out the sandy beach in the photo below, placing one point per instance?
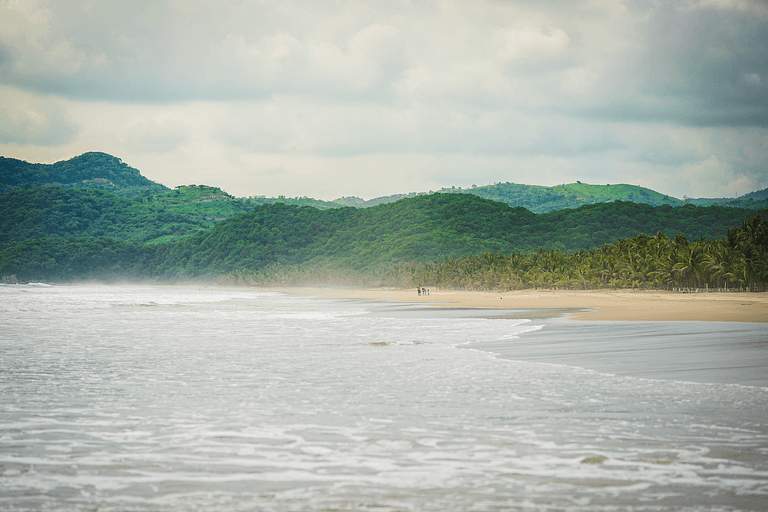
(623, 305)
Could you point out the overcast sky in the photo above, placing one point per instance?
(370, 98)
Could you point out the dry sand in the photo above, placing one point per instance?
(589, 305)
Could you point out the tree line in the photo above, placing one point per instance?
(440, 238)
(738, 262)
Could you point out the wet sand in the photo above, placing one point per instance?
(668, 343)
(707, 352)
(623, 305)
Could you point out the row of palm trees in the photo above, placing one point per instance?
(654, 262)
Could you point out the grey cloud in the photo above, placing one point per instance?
(699, 66)
(156, 136)
(665, 153)
(338, 129)
(676, 62)
(161, 52)
(28, 119)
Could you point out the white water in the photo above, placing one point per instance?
(138, 398)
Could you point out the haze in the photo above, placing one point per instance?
(369, 98)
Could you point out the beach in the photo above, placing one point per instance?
(612, 305)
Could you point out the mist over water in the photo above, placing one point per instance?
(178, 399)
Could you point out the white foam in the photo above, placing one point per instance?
(196, 402)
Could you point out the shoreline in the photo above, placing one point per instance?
(608, 305)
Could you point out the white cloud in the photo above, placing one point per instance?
(533, 44)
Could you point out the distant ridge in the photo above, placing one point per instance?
(101, 171)
(759, 195)
(541, 199)
(357, 202)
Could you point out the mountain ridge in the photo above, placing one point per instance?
(102, 171)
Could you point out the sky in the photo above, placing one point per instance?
(366, 98)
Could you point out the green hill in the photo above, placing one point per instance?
(759, 195)
(200, 204)
(91, 170)
(75, 212)
(540, 199)
(757, 200)
(358, 202)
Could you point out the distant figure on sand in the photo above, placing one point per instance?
(418, 290)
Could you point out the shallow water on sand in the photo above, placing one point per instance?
(138, 398)
(707, 352)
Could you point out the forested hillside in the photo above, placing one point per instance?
(90, 170)
(429, 228)
(68, 212)
(422, 229)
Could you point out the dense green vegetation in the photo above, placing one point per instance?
(425, 228)
(539, 199)
(90, 170)
(658, 262)
(358, 202)
(292, 201)
(206, 205)
(32, 213)
(199, 204)
(73, 259)
(274, 237)
(65, 221)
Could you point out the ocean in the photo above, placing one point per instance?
(138, 398)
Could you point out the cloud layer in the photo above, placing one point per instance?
(370, 98)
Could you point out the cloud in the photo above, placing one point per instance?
(29, 119)
(168, 51)
(156, 134)
(693, 63)
(697, 64)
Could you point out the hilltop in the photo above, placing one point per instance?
(540, 199)
(107, 173)
(90, 170)
(543, 199)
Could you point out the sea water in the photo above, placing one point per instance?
(184, 399)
